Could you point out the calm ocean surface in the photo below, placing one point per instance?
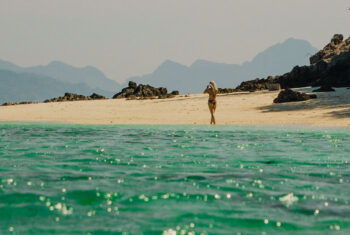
(75, 179)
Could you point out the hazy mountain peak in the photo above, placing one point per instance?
(200, 63)
(170, 63)
(6, 65)
(61, 71)
(57, 63)
(277, 59)
(291, 51)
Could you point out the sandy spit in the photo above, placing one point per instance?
(330, 109)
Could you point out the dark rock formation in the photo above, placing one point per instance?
(132, 85)
(330, 66)
(95, 96)
(23, 102)
(75, 97)
(8, 104)
(324, 88)
(175, 93)
(27, 102)
(226, 90)
(288, 95)
(259, 84)
(334, 48)
(143, 91)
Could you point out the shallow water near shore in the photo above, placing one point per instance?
(80, 179)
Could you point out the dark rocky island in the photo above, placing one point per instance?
(134, 91)
(328, 67)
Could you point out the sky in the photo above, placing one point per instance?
(126, 38)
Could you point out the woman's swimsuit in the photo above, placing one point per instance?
(213, 102)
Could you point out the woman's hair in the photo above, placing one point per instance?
(213, 84)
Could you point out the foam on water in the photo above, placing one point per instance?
(70, 179)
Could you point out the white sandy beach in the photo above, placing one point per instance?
(329, 109)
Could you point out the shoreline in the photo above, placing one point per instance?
(331, 109)
(217, 126)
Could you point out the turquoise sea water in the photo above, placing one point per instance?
(72, 179)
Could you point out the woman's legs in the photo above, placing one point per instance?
(212, 110)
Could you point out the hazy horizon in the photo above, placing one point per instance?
(125, 39)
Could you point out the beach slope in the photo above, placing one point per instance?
(252, 108)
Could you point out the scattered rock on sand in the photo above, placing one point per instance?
(227, 90)
(74, 97)
(143, 91)
(324, 88)
(13, 103)
(260, 84)
(8, 104)
(95, 96)
(288, 95)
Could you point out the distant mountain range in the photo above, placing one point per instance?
(60, 71)
(276, 60)
(42, 82)
(17, 87)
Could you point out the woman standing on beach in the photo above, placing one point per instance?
(212, 90)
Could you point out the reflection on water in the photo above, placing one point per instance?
(70, 179)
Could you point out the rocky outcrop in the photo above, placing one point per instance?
(226, 90)
(330, 66)
(95, 96)
(23, 102)
(288, 95)
(9, 103)
(334, 48)
(75, 97)
(324, 88)
(134, 91)
(259, 84)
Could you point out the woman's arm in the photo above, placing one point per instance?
(207, 89)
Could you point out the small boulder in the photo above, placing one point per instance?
(288, 95)
(163, 90)
(128, 91)
(8, 104)
(324, 88)
(226, 90)
(131, 97)
(148, 91)
(175, 93)
(132, 85)
(27, 102)
(337, 39)
(95, 96)
(273, 86)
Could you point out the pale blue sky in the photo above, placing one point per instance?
(132, 37)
